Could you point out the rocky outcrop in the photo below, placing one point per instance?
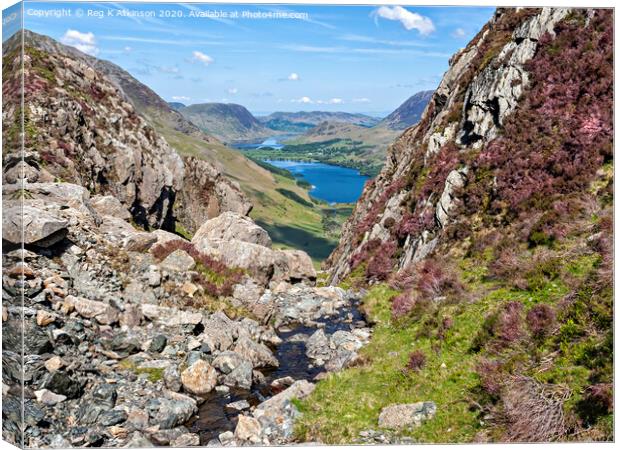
(483, 85)
(230, 225)
(206, 194)
(83, 129)
(238, 242)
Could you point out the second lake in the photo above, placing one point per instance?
(334, 184)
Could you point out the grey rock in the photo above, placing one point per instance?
(39, 227)
(259, 354)
(406, 415)
(230, 225)
(158, 343)
(178, 261)
(172, 378)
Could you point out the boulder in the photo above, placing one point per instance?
(164, 236)
(170, 317)
(186, 440)
(406, 415)
(262, 263)
(40, 227)
(199, 378)
(240, 376)
(100, 311)
(258, 354)
(178, 261)
(48, 398)
(248, 429)
(172, 410)
(300, 265)
(108, 205)
(299, 390)
(139, 242)
(231, 225)
(228, 361)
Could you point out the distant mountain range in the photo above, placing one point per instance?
(409, 113)
(226, 121)
(302, 121)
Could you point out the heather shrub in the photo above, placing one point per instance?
(540, 320)
(598, 401)
(436, 279)
(561, 135)
(214, 276)
(381, 263)
(417, 360)
(500, 328)
(508, 326)
(444, 326)
(377, 208)
(414, 224)
(533, 411)
(445, 161)
(402, 305)
(491, 376)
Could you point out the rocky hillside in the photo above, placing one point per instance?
(302, 121)
(409, 113)
(486, 241)
(82, 129)
(116, 332)
(226, 121)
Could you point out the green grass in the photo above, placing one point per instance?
(350, 401)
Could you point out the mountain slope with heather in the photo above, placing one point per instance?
(486, 245)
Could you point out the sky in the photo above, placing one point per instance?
(269, 57)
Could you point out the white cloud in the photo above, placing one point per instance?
(331, 101)
(410, 20)
(127, 49)
(84, 42)
(233, 91)
(308, 100)
(459, 33)
(361, 100)
(293, 77)
(180, 98)
(303, 100)
(201, 57)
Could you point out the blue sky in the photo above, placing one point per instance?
(335, 58)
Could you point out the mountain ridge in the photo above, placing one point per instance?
(230, 122)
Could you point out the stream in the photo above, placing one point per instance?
(215, 417)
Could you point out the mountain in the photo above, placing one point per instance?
(226, 121)
(486, 244)
(99, 141)
(177, 105)
(409, 113)
(302, 121)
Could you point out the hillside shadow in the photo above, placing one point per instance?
(317, 247)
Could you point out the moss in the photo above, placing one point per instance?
(153, 374)
(182, 231)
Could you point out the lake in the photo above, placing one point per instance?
(334, 184)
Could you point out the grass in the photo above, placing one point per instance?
(350, 401)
